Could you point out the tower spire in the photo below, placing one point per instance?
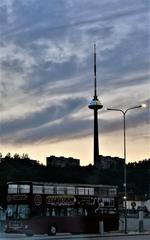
(95, 104)
(95, 93)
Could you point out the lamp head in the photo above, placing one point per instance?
(143, 105)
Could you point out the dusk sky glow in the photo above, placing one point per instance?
(46, 77)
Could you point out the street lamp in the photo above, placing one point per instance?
(125, 171)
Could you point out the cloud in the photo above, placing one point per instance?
(56, 112)
(64, 130)
(134, 118)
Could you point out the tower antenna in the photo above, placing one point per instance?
(95, 92)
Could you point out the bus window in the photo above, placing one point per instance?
(20, 211)
(70, 211)
(48, 189)
(24, 188)
(81, 191)
(23, 211)
(37, 189)
(71, 190)
(12, 188)
(80, 211)
(48, 213)
(85, 191)
(11, 209)
(58, 211)
(53, 212)
(89, 191)
(85, 212)
(60, 190)
(63, 212)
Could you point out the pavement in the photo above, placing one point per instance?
(109, 234)
(119, 233)
(74, 236)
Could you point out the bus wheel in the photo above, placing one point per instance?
(52, 230)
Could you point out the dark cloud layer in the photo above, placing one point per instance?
(37, 119)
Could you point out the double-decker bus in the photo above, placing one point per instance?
(50, 208)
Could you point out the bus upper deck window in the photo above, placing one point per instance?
(24, 188)
(60, 190)
(89, 191)
(12, 188)
(37, 189)
(49, 189)
(70, 190)
(81, 190)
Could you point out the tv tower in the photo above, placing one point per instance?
(95, 105)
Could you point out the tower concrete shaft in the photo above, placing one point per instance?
(96, 139)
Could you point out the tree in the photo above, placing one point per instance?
(25, 156)
(16, 155)
(8, 155)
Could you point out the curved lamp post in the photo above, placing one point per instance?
(125, 172)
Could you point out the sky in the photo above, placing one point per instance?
(46, 77)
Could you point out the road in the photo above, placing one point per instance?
(4, 236)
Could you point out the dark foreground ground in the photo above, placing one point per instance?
(112, 236)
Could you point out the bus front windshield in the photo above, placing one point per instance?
(18, 211)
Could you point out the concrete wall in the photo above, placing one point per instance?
(134, 224)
